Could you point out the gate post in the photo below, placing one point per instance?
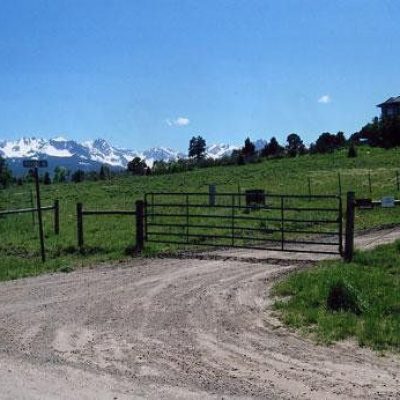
(349, 239)
(79, 224)
(139, 226)
(56, 217)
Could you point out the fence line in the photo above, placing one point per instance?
(138, 213)
(55, 207)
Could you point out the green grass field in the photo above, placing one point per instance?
(107, 238)
(373, 279)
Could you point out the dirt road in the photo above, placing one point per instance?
(174, 329)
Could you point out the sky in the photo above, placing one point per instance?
(157, 72)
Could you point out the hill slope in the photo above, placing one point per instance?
(107, 237)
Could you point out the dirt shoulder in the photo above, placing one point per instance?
(173, 329)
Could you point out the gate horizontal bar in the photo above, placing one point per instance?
(172, 205)
(239, 238)
(329, 233)
(108, 212)
(212, 236)
(245, 247)
(315, 221)
(294, 196)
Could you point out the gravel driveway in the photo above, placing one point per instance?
(175, 329)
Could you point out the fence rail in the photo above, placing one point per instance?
(352, 205)
(138, 212)
(55, 207)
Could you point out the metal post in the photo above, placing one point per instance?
(240, 195)
(340, 218)
(152, 208)
(32, 206)
(282, 226)
(340, 184)
(397, 181)
(145, 219)
(139, 226)
(39, 212)
(56, 217)
(187, 218)
(233, 221)
(349, 243)
(79, 216)
(369, 181)
(212, 189)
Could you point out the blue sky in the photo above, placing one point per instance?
(148, 73)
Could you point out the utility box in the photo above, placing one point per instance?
(255, 198)
(364, 203)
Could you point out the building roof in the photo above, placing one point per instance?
(391, 100)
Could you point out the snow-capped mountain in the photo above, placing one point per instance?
(89, 155)
(220, 150)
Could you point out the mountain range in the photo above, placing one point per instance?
(90, 155)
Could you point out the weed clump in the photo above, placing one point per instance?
(344, 297)
(66, 269)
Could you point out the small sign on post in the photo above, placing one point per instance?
(387, 202)
(35, 164)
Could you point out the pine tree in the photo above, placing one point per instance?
(295, 145)
(197, 147)
(60, 175)
(352, 151)
(5, 174)
(137, 166)
(102, 174)
(78, 176)
(272, 149)
(249, 149)
(47, 179)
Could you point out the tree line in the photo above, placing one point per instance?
(197, 156)
(380, 132)
(326, 142)
(60, 175)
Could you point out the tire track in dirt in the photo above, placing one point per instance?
(172, 329)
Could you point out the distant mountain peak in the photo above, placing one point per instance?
(59, 139)
(90, 155)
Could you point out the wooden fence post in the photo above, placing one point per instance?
(369, 181)
(139, 226)
(349, 239)
(32, 206)
(397, 181)
(79, 221)
(56, 217)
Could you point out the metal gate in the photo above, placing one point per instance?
(296, 223)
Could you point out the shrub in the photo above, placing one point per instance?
(344, 297)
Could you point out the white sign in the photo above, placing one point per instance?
(387, 202)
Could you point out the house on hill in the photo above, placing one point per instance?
(390, 108)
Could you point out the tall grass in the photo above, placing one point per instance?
(374, 279)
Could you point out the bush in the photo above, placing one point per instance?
(344, 297)
(352, 151)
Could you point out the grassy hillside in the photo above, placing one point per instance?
(108, 237)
